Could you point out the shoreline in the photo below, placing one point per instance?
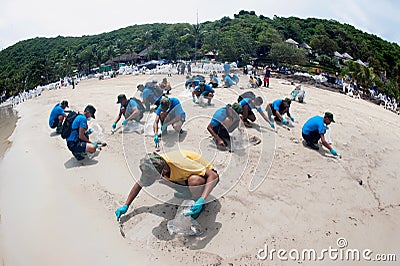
(8, 123)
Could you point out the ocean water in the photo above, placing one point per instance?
(8, 120)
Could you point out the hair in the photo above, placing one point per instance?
(259, 99)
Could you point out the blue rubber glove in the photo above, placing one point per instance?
(121, 211)
(196, 208)
(114, 125)
(125, 122)
(156, 139)
(194, 99)
(291, 118)
(284, 121)
(89, 131)
(163, 128)
(333, 152)
(272, 124)
(95, 144)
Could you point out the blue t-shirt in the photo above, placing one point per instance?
(247, 101)
(79, 122)
(230, 81)
(206, 88)
(175, 108)
(149, 95)
(313, 124)
(57, 110)
(129, 107)
(219, 116)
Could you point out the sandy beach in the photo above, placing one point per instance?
(55, 210)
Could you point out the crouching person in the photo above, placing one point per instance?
(224, 121)
(185, 171)
(78, 140)
(57, 116)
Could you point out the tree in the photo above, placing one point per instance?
(283, 53)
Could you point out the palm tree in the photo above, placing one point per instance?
(196, 33)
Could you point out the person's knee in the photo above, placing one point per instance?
(196, 180)
(177, 126)
(90, 148)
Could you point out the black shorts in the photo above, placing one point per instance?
(76, 146)
(55, 123)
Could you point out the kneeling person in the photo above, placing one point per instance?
(224, 121)
(131, 109)
(205, 90)
(182, 170)
(314, 130)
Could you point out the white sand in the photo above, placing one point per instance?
(57, 211)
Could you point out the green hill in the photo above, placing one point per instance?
(41, 60)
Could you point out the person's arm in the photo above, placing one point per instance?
(155, 126)
(135, 112)
(265, 117)
(82, 135)
(278, 115)
(118, 117)
(329, 147)
(216, 137)
(245, 113)
(133, 193)
(211, 181)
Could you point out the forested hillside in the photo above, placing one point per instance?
(245, 37)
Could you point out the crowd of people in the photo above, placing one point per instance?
(191, 175)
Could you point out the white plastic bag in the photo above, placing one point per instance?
(133, 126)
(184, 225)
(148, 126)
(97, 135)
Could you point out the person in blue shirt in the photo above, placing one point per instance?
(169, 112)
(278, 108)
(78, 141)
(57, 116)
(148, 97)
(314, 130)
(224, 121)
(227, 81)
(247, 114)
(205, 90)
(227, 68)
(130, 109)
(214, 81)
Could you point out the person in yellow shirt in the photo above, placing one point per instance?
(165, 85)
(177, 169)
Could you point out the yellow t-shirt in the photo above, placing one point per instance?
(184, 163)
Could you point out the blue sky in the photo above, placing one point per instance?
(23, 19)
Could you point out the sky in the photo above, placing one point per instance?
(25, 19)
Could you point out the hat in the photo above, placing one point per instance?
(91, 110)
(120, 98)
(165, 103)
(330, 116)
(151, 167)
(288, 101)
(154, 81)
(65, 103)
(140, 86)
(237, 107)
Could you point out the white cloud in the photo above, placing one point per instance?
(23, 19)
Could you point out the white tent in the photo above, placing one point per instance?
(361, 63)
(291, 41)
(347, 56)
(337, 54)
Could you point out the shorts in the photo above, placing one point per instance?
(266, 79)
(77, 146)
(55, 123)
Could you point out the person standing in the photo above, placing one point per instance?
(267, 76)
